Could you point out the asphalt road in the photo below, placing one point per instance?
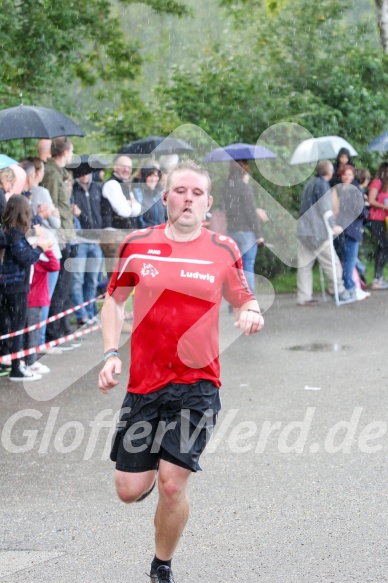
(294, 487)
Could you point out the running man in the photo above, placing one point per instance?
(181, 272)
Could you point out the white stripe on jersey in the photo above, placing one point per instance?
(168, 259)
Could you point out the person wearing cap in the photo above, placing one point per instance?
(87, 195)
(149, 194)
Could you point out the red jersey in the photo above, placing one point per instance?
(179, 288)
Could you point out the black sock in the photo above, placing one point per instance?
(156, 563)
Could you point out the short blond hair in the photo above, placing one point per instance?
(188, 166)
(7, 174)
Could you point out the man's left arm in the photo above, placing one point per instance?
(249, 318)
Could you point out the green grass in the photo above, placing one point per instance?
(286, 282)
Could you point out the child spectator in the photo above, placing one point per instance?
(18, 257)
(38, 298)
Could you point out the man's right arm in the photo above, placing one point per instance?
(112, 317)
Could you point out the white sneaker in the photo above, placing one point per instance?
(38, 368)
(7, 360)
(379, 283)
(361, 295)
(92, 321)
(24, 375)
(66, 346)
(53, 350)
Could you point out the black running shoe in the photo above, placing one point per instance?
(146, 494)
(163, 574)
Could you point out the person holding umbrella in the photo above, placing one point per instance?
(242, 218)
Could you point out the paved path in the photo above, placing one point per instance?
(277, 503)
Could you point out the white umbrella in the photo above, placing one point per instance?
(325, 148)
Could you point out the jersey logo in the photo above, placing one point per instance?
(154, 251)
(149, 269)
(197, 275)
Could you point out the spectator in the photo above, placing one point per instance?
(44, 149)
(243, 221)
(313, 236)
(15, 279)
(118, 202)
(39, 297)
(20, 179)
(362, 175)
(29, 169)
(347, 243)
(378, 212)
(149, 194)
(54, 180)
(7, 180)
(87, 197)
(343, 159)
(42, 205)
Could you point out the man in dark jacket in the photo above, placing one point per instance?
(87, 196)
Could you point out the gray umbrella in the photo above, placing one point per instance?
(27, 121)
(379, 144)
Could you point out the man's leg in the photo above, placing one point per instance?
(130, 486)
(92, 270)
(306, 260)
(77, 292)
(173, 508)
(325, 260)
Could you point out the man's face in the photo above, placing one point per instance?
(69, 155)
(29, 182)
(123, 167)
(85, 179)
(188, 200)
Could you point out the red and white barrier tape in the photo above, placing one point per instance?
(50, 319)
(50, 344)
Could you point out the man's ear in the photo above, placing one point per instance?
(209, 202)
(164, 198)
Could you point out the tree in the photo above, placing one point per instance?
(46, 46)
(382, 20)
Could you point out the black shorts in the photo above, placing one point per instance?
(174, 424)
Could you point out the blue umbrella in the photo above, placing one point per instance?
(379, 144)
(238, 152)
(6, 161)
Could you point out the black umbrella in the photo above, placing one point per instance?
(27, 121)
(157, 146)
(85, 164)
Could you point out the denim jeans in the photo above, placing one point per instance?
(52, 282)
(247, 243)
(348, 252)
(85, 277)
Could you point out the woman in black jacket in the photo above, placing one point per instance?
(15, 265)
